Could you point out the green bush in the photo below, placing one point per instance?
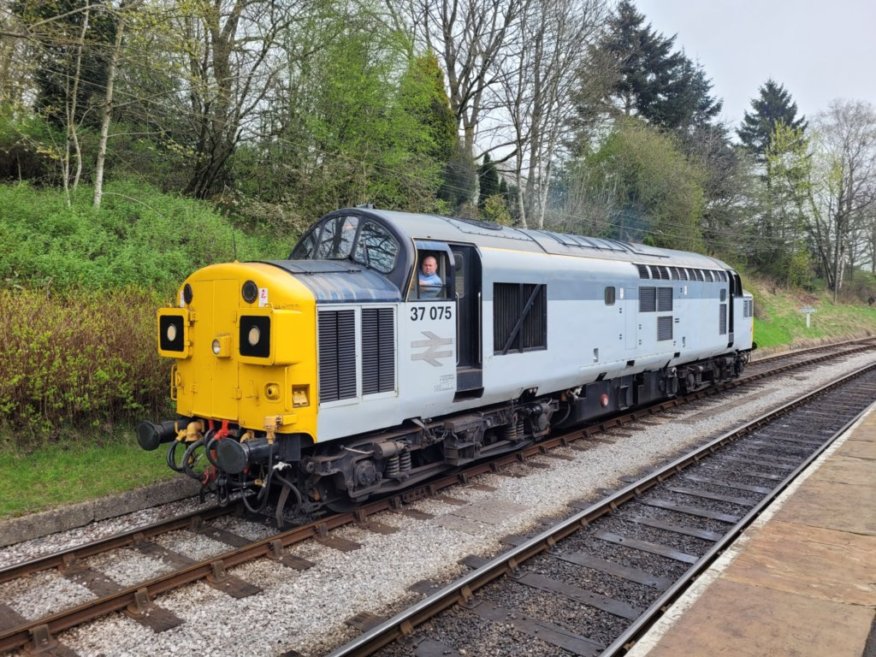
(82, 361)
(140, 237)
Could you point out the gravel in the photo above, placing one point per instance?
(63, 540)
(306, 610)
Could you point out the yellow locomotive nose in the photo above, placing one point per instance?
(244, 341)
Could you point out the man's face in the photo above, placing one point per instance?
(430, 265)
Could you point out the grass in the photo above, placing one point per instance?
(779, 321)
(75, 472)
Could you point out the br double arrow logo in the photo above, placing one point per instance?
(432, 352)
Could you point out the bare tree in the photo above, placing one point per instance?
(16, 60)
(226, 53)
(106, 114)
(537, 84)
(841, 191)
(471, 37)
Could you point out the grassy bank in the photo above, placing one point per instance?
(779, 322)
(75, 471)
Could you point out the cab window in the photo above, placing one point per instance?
(337, 238)
(376, 248)
(353, 238)
(430, 281)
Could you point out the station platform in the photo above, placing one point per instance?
(801, 581)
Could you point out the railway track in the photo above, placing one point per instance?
(137, 600)
(593, 583)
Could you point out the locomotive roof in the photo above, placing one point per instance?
(482, 233)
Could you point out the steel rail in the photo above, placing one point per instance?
(462, 589)
(102, 545)
(272, 546)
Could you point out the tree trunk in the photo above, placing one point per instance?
(107, 115)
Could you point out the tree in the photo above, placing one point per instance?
(489, 180)
(471, 38)
(107, 110)
(780, 247)
(727, 181)
(353, 119)
(225, 48)
(650, 191)
(71, 65)
(424, 97)
(536, 86)
(773, 106)
(651, 80)
(842, 191)
(833, 183)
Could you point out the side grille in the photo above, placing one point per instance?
(337, 355)
(378, 350)
(647, 299)
(664, 299)
(519, 317)
(664, 328)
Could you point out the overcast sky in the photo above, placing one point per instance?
(818, 49)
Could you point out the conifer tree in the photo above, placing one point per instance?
(773, 106)
(489, 180)
(653, 81)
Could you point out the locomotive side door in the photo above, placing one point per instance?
(469, 366)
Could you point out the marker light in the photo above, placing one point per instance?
(171, 332)
(254, 336)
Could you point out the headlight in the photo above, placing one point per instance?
(171, 333)
(255, 336)
(217, 347)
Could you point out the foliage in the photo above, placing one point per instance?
(27, 147)
(656, 193)
(140, 238)
(652, 81)
(83, 360)
(488, 178)
(362, 126)
(423, 97)
(727, 183)
(59, 24)
(496, 210)
(772, 107)
(779, 248)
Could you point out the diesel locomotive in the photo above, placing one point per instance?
(317, 382)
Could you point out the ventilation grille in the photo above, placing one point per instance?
(664, 328)
(647, 299)
(664, 300)
(337, 355)
(519, 317)
(722, 320)
(378, 350)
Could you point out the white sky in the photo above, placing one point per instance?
(818, 49)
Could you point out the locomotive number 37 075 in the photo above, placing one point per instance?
(432, 311)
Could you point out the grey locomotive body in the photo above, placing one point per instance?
(529, 330)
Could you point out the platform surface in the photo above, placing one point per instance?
(802, 580)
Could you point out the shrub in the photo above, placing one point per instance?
(80, 362)
(140, 237)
